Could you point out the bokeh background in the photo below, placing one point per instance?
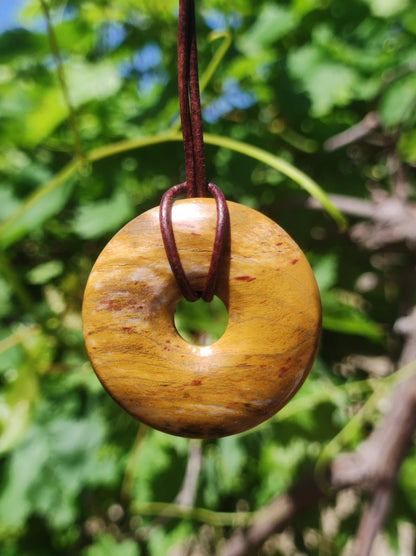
(299, 97)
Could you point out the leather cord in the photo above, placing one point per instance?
(196, 184)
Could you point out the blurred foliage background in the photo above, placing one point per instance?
(90, 138)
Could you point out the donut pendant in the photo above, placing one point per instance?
(234, 384)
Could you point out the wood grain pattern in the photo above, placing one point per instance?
(265, 354)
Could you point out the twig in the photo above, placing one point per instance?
(201, 515)
(358, 131)
(403, 414)
(407, 327)
(62, 80)
(391, 219)
(393, 222)
(272, 519)
(372, 521)
(113, 149)
(352, 206)
(17, 337)
(187, 495)
(399, 177)
(375, 464)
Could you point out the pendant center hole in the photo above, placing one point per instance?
(199, 322)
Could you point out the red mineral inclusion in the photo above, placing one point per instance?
(245, 278)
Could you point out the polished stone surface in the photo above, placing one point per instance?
(245, 377)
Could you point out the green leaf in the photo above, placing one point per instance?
(325, 271)
(353, 325)
(8, 202)
(32, 217)
(272, 23)
(328, 83)
(387, 8)
(409, 21)
(45, 272)
(278, 465)
(232, 458)
(86, 82)
(169, 542)
(398, 104)
(69, 450)
(106, 545)
(156, 477)
(407, 146)
(407, 479)
(345, 318)
(15, 503)
(5, 297)
(46, 114)
(20, 383)
(22, 42)
(302, 7)
(95, 219)
(16, 405)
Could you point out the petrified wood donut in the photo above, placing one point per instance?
(265, 354)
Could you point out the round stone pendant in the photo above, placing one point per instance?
(245, 377)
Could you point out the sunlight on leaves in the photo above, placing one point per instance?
(95, 219)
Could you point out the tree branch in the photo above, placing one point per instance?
(403, 414)
(352, 206)
(358, 131)
(187, 495)
(372, 467)
(372, 521)
(390, 219)
(407, 327)
(273, 518)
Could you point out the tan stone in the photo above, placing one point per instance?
(242, 379)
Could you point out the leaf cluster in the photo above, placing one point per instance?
(279, 81)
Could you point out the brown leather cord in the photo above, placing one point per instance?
(166, 227)
(189, 101)
(196, 183)
(221, 239)
(221, 236)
